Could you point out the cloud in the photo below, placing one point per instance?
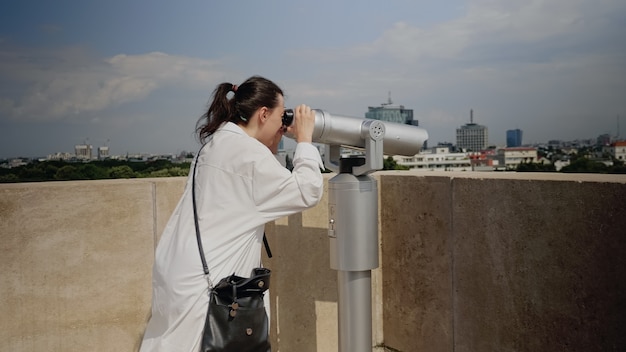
(528, 64)
(518, 64)
(492, 31)
(66, 84)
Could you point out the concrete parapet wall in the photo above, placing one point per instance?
(503, 262)
(76, 262)
(469, 262)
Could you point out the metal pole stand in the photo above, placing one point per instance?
(353, 233)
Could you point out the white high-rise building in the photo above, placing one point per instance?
(472, 137)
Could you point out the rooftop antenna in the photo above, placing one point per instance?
(471, 115)
(618, 134)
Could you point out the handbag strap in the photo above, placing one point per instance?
(205, 267)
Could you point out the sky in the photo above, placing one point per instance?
(136, 75)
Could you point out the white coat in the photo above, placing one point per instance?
(240, 186)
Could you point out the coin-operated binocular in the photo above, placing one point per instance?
(353, 210)
(376, 137)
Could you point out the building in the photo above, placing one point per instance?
(391, 113)
(60, 156)
(514, 138)
(441, 158)
(471, 136)
(485, 160)
(512, 157)
(83, 151)
(436, 159)
(12, 163)
(103, 153)
(617, 150)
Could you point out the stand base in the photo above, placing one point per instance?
(355, 310)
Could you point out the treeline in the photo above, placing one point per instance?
(577, 165)
(591, 166)
(39, 171)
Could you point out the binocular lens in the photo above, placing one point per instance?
(287, 117)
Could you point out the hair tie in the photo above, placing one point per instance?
(234, 88)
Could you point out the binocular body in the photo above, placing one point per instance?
(399, 139)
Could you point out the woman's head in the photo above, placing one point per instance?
(253, 103)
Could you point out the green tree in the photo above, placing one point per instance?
(35, 171)
(170, 172)
(68, 172)
(585, 165)
(50, 170)
(535, 167)
(9, 178)
(391, 164)
(92, 172)
(177, 171)
(123, 171)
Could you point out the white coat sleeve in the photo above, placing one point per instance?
(278, 192)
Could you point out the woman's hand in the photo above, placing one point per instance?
(303, 125)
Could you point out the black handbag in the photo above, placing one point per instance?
(236, 319)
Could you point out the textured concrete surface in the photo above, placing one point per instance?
(75, 265)
(469, 262)
(304, 288)
(416, 263)
(543, 270)
(504, 262)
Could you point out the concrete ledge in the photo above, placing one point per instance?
(503, 262)
(76, 260)
(469, 262)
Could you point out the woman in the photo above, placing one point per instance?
(239, 187)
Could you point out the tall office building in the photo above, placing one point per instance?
(391, 113)
(514, 138)
(471, 136)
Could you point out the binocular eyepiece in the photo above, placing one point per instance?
(287, 118)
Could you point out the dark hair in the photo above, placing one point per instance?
(251, 95)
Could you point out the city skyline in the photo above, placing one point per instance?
(139, 73)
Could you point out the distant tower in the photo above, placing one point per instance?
(514, 138)
(83, 151)
(103, 151)
(391, 113)
(472, 136)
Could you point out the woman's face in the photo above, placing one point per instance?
(273, 130)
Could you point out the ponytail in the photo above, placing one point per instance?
(220, 111)
(253, 94)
